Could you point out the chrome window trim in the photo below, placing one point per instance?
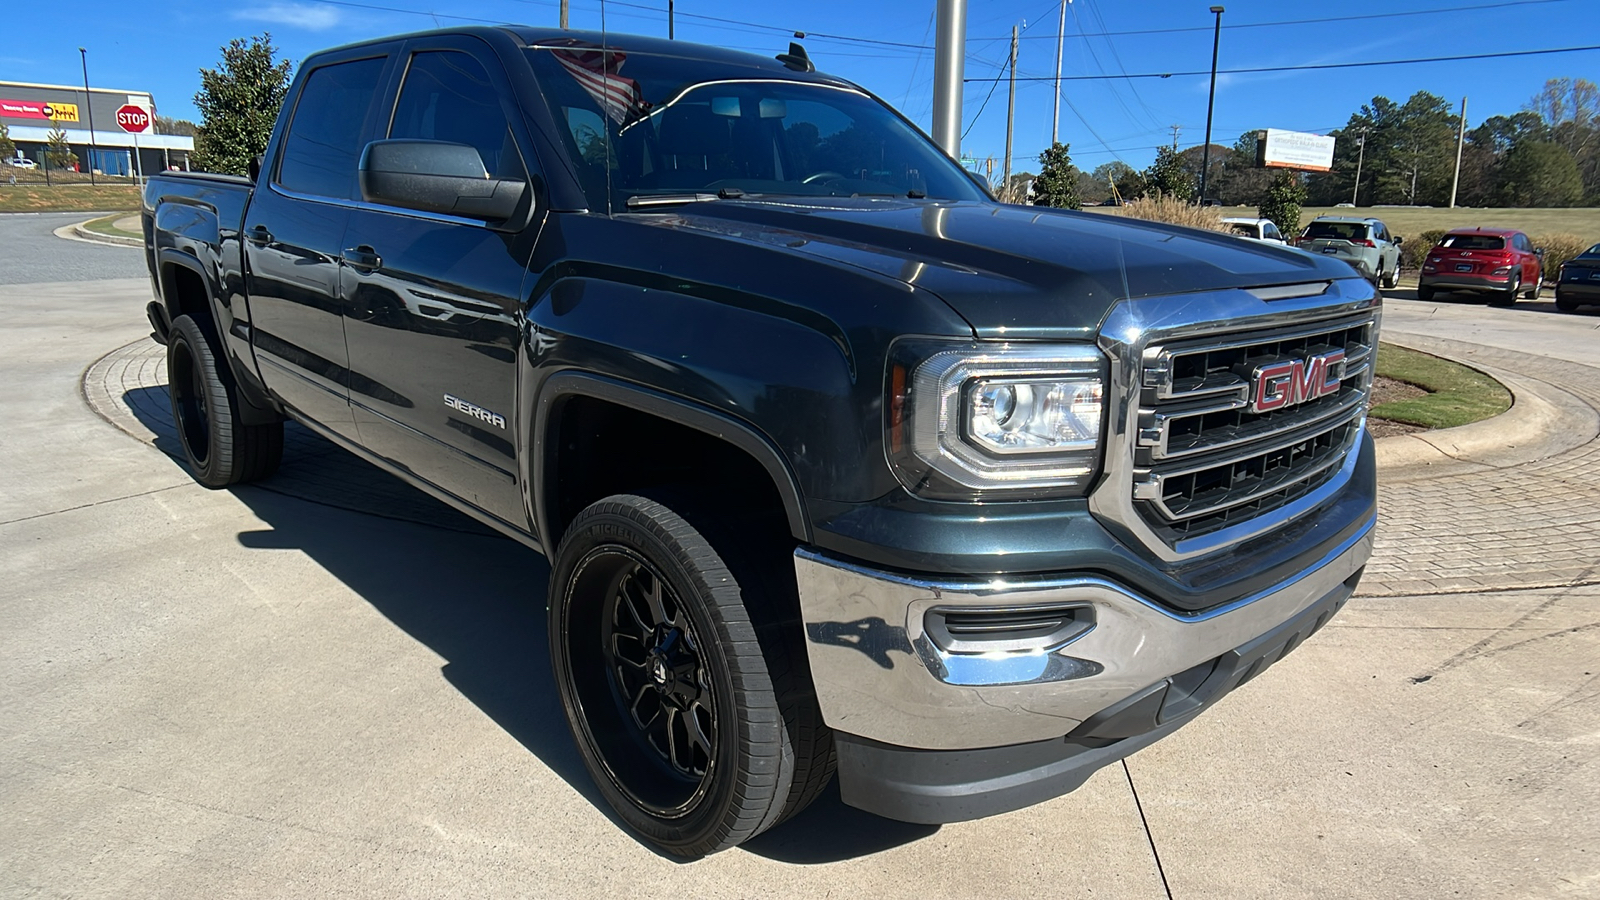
(375, 207)
(1133, 327)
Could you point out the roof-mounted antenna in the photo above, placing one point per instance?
(796, 58)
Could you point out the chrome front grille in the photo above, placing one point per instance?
(1205, 457)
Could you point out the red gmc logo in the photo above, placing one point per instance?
(1292, 382)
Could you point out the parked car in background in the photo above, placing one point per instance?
(1500, 262)
(21, 162)
(1255, 229)
(1579, 281)
(1365, 244)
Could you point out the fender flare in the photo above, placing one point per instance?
(688, 413)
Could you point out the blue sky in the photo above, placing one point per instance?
(132, 47)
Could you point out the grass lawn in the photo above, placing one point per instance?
(107, 225)
(68, 197)
(1408, 221)
(1456, 395)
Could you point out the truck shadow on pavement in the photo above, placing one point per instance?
(478, 600)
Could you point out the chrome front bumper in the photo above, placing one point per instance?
(880, 676)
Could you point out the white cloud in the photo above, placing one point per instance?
(295, 15)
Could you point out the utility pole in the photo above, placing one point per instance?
(1011, 117)
(1175, 130)
(88, 110)
(1461, 138)
(1211, 102)
(949, 57)
(563, 15)
(1361, 143)
(669, 21)
(1061, 38)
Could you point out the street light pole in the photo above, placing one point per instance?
(1211, 102)
(1361, 154)
(88, 109)
(949, 56)
(1061, 38)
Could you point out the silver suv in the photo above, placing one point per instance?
(1365, 244)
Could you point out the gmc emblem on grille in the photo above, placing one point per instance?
(1291, 382)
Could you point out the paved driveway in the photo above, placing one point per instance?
(247, 693)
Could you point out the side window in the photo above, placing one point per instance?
(447, 96)
(324, 140)
(1272, 232)
(1523, 245)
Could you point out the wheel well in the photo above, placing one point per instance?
(186, 295)
(604, 448)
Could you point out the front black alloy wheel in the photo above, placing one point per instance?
(691, 713)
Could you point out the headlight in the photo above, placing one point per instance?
(1023, 418)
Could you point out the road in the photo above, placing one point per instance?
(33, 254)
(247, 694)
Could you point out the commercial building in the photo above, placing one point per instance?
(31, 111)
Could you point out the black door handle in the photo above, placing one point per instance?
(259, 236)
(362, 258)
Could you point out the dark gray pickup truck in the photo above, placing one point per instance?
(841, 465)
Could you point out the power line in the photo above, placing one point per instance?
(1389, 15)
(1308, 68)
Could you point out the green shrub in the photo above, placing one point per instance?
(1417, 246)
(1558, 248)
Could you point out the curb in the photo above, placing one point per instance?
(80, 233)
(1543, 421)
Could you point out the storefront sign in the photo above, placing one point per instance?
(37, 109)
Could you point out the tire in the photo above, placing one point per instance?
(1507, 297)
(1564, 304)
(1538, 285)
(1392, 280)
(684, 694)
(220, 449)
(1424, 293)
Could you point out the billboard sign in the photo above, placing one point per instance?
(1279, 149)
(38, 109)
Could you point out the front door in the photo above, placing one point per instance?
(433, 302)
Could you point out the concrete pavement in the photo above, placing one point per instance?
(244, 693)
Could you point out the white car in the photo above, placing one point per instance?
(21, 162)
(1255, 229)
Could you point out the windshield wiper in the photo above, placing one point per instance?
(647, 200)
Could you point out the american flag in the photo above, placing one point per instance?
(596, 71)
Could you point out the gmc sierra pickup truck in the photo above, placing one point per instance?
(842, 466)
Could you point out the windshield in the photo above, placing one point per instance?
(1343, 231)
(1473, 242)
(648, 128)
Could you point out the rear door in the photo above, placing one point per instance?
(435, 318)
(293, 231)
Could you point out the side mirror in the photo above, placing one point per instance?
(437, 177)
(1399, 240)
(981, 182)
(1538, 251)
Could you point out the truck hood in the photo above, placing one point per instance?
(1013, 271)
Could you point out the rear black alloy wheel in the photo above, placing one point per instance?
(1538, 286)
(683, 703)
(220, 448)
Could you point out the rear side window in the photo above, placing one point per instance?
(447, 96)
(1241, 228)
(1473, 242)
(324, 141)
(1340, 231)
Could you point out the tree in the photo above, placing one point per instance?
(1282, 202)
(1194, 158)
(57, 151)
(8, 147)
(238, 103)
(1169, 176)
(169, 125)
(1057, 182)
(1242, 182)
(1539, 173)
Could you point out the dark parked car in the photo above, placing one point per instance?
(1500, 262)
(1579, 281)
(839, 463)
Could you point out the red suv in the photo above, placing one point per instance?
(1498, 261)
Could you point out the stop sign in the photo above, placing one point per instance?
(133, 119)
